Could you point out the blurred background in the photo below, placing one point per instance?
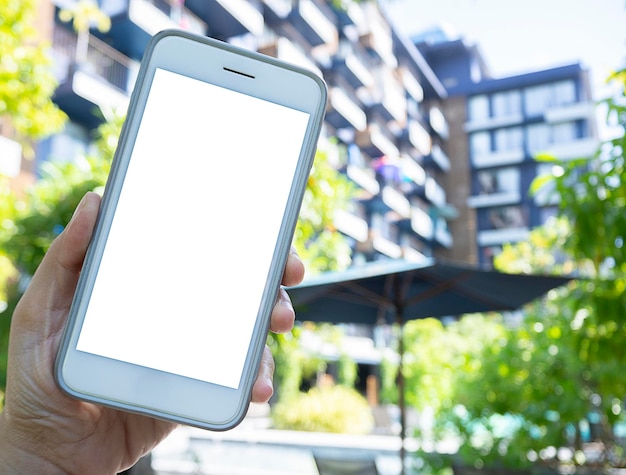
(476, 132)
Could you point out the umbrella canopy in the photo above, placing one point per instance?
(398, 291)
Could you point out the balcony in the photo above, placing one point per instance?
(386, 99)
(343, 111)
(364, 179)
(396, 202)
(493, 122)
(499, 225)
(570, 112)
(413, 171)
(439, 158)
(351, 225)
(100, 77)
(495, 237)
(438, 123)
(378, 39)
(284, 49)
(387, 247)
(498, 158)
(493, 199)
(422, 224)
(412, 85)
(579, 148)
(134, 22)
(418, 138)
(376, 142)
(352, 64)
(315, 21)
(434, 193)
(442, 234)
(228, 18)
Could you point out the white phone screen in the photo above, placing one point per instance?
(194, 232)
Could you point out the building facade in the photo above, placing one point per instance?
(441, 153)
(379, 129)
(499, 128)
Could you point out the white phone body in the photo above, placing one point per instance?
(172, 307)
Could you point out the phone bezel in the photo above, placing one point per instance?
(164, 395)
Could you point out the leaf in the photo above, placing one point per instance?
(546, 158)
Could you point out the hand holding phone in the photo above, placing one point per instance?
(208, 177)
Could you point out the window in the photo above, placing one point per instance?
(509, 139)
(538, 138)
(503, 180)
(507, 104)
(564, 132)
(564, 93)
(506, 217)
(542, 136)
(539, 98)
(480, 144)
(478, 107)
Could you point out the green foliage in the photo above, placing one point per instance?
(30, 223)
(317, 241)
(538, 384)
(334, 409)
(26, 79)
(83, 14)
(388, 381)
(347, 371)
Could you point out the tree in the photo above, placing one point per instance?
(26, 79)
(84, 14)
(588, 238)
(554, 379)
(316, 239)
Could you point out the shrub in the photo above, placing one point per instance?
(334, 409)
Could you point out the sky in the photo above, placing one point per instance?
(522, 36)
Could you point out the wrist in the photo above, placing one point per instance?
(19, 456)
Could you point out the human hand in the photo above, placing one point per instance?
(44, 431)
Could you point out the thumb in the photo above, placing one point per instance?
(52, 288)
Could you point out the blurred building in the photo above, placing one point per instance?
(441, 152)
(497, 128)
(386, 138)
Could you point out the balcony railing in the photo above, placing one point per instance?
(180, 15)
(498, 158)
(100, 60)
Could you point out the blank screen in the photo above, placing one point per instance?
(195, 228)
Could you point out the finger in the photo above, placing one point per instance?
(52, 287)
(294, 270)
(283, 314)
(77, 234)
(264, 385)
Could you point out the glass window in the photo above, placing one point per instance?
(506, 217)
(504, 180)
(478, 108)
(509, 139)
(538, 138)
(564, 92)
(507, 103)
(480, 144)
(536, 99)
(539, 98)
(564, 132)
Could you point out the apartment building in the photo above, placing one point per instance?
(378, 130)
(497, 128)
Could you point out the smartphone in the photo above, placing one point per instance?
(172, 308)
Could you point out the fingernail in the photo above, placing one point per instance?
(80, 206)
